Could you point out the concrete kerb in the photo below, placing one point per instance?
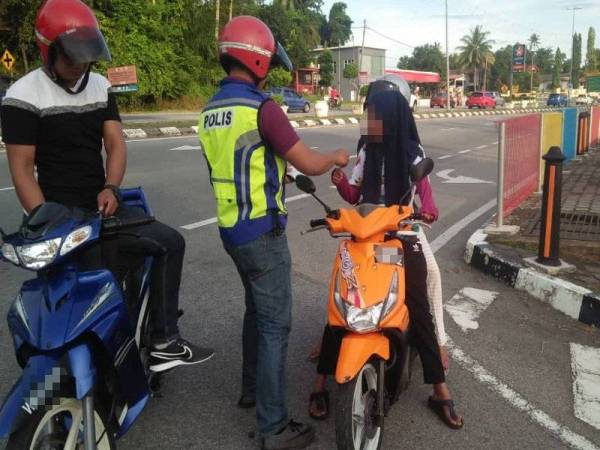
(138, 133)
(575, 301)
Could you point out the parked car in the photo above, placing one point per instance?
(481, 100)
(291, 99)
(439, 100)
(584, 100)
(557, 100)
(498, 98)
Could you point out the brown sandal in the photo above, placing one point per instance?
(438, 407)
(321, 401)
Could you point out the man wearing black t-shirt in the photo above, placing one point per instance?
(56, 119)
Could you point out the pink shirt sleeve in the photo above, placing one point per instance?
(348, 192)
(275, 128)
(426, 195)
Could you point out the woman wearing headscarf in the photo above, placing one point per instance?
(391, 145)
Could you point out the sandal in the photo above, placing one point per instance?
(321, 401)
(438, 407)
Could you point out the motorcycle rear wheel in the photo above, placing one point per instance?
(355, 427)
(58, 428)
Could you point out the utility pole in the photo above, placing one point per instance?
(230, 9)
(447, 63)
(573, 8)
(360, 57)
(217, 14)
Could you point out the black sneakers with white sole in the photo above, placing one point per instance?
(177, 353)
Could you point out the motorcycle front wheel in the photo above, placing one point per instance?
(356, 427)
(59, 427)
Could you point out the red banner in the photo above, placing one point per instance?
(521, 159)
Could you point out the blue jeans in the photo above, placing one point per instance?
(264, 266)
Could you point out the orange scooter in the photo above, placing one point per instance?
(367, 298)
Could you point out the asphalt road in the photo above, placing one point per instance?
(510, 375)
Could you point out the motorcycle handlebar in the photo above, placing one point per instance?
(318, 223)
(113, 224)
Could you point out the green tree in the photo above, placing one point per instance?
(500, 71)
(558, 65)
(544, 58)
(337, 30)
(534, 43)
(472, 53)
(351, 71)
(279, 77)
(405, 62)
(326, 69)
(575, 73)
(17, 18)
(591, 62)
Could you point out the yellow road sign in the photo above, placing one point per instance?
(8, 60)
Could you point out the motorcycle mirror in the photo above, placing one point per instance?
(305, 184)
(421, 170)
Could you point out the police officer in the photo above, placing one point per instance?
(247, 139)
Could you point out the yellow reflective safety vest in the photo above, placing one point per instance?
(247, 177)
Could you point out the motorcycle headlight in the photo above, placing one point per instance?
(9, 252)
(366, 320)
(75, 239)
(39, 255)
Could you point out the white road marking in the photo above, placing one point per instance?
(517, 401)
(203, 223)
(186, 147)
(447, 129)
(495, 143)
(481, 146)
(465, 151)
(585, 364)
(445, 156)
(466, 306)
(12, 188)
(449, 233)
(445, 175)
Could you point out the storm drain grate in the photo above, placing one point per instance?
(574, 226)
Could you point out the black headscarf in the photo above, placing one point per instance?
(399, 129)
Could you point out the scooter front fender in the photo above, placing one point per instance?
(43, 381)
(356, 350)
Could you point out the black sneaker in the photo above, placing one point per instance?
(295, 435)
(247, 401)
(178, 353)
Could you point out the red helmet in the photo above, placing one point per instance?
(250, 42)
(71, 26)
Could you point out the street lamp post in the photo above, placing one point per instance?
(447, 63)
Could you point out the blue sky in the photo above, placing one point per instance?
(508, 21)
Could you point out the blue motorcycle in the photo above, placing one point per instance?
(80, 332)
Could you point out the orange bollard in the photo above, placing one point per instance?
(548, 252)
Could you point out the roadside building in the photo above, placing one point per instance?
(373, 66)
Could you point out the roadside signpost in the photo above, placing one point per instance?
(8, 60)
(122, 79)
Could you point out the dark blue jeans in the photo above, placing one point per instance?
(264, 266)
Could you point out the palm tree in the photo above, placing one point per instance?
(534, 43)
(490, 59)
(472, 53)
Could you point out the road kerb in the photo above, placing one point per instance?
(575, 301)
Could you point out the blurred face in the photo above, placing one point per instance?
(371, 125)
(69, 71)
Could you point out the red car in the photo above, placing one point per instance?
(439, 100)
(481, 100)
